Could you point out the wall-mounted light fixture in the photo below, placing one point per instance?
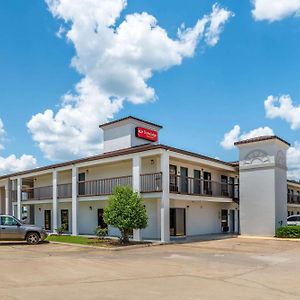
(40, 209)
(152, 161)
(91, 208)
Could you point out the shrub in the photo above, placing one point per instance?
(125, 211)
(288, 232)
(101, 232)
(60, 230)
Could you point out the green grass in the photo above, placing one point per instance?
(78, 240)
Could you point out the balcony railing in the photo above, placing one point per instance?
(40, 193)
(64, 190)
(102, 187)
(195, 186)
(293, 198)
(151, 183)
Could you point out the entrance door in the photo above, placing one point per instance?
(47, 219)
(81, 185)
(177, 222)
(101, 222)
(197, 182)
(183, 180)
(224, 220)
(232, 220)
(64, 213)
(173, 179)
(207, 183)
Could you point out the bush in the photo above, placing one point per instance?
(60, 230)
(101, 233)
(288, 232)
(125, 211)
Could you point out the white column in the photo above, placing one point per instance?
(8, 197)
(19, 198)
(54, 201)
(74, 200)
(136, 181)
(165, 199)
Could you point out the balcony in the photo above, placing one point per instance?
(151, 183)
(200, 187)
(293, 198)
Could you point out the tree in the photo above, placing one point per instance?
(125, 211)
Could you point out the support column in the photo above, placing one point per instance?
(8, 198)
(165, 199)
(136, 185)
(54, 201)
(19, 198)
(74, 200)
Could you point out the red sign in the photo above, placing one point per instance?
(146, 134)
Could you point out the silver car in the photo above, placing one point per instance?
(12, 229)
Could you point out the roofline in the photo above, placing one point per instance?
(293, 181)
(127, 118)
(116, 153)
(260, 139)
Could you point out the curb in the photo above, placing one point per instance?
(268, 238)
(121, 248)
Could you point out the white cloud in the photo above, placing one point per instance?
(116, 60)
(12, 163)
(293, 161)
(284, 110)
(275, 10)
(235, 135)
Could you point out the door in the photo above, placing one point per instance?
(173, 179)
(10, 229)
(224, 185)
(81, 185)
(207, 183)
(197, 182)
(101, 222)
(177, 222)
(47, 219)
(65, 219)
(184, 180)
(224, 220)
(232, 220)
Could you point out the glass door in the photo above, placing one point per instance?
(224, 220)
(47, 219)
(177, 222)
(184, 180)
(197, 182)
(207, 183)
(173, 178)
(65, 219)
(101, 222)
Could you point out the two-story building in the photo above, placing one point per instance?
(185, 193)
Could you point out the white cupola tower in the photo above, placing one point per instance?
(128, 132)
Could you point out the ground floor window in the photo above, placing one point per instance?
(177, 222)
(65, 218)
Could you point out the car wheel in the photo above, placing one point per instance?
(32, 238)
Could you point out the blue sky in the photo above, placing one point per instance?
(197, 101)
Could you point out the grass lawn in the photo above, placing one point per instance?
(88, 241)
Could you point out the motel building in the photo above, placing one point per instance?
(185, 193)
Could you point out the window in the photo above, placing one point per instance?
(224, 185)
(197, 182)
(8, 221)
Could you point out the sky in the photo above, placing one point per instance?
(210, 72)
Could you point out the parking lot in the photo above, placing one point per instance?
(235, 268)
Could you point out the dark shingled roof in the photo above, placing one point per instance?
(127, 118)
(261, 138)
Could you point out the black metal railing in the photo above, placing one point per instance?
(40, 193)
(195, 186)
(101, 187)
(64, 190)
(151, 182)
(291, 198)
